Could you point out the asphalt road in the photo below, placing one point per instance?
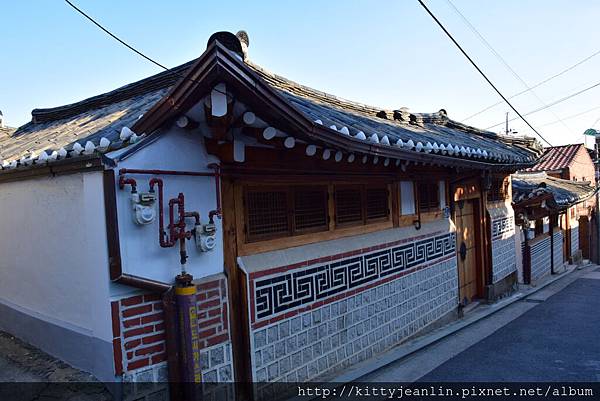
(557, 340)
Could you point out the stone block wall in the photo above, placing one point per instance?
(574, 239)
(315, 317)
(558, 250)
(504, 248)
(139, 346)
(540, 258)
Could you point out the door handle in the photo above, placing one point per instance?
(463, 251)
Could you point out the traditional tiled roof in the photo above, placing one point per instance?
(99, 124)
(527, 186)
(557, 158)
(435, 132)
(90, 120)
(6, 131)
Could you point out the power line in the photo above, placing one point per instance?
(570, 117)
(115, 36)
(479, 70)
(502, 60)
(536, 85)
(109, 33)
(554, 103)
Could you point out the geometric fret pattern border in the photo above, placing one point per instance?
(279, 293)
(502, 226)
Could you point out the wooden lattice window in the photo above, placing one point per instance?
(377, 203)
(310, 209)
(428, 196)
(281, 211)
(361, 204)
(498, 190)
(349, 205)
(267, 213)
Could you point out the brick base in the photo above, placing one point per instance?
(139, 346)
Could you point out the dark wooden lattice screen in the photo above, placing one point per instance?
(428, 196)
(498, 190)
(310, 209)
(377, 203)
(266, 213)
(348, 205)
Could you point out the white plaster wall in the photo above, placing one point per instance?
(141, 252)
(54, 263)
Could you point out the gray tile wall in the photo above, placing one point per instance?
(558, 250)
(151, 384)
(345, 332)
(574, 239)
(504, 258)
(540, 259)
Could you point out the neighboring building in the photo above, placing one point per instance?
(545, 209)
(569, 162)
(573, 162)
(345, 228)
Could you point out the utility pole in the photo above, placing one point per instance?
(506, 129)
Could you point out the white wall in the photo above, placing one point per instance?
(54, 263)
(141, 253)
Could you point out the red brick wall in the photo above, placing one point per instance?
(581, 167)
(138, 325)
(142, 333)
(213, 322)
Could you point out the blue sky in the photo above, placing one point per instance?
(385, 53)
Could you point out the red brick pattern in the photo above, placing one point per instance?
(213, 319)
(143, 332)
(139, 330)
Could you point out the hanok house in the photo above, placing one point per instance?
(319, 232)
(546, 210)
(573, 162)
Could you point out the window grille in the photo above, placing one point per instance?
(428, 195)
(267, 213)
(310, 209)
(348, 206)
(377, 203)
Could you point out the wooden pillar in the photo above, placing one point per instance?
(238, 305)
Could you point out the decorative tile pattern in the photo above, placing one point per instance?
(502, 227)
(279, 293)
(356, 328)
(381, 311)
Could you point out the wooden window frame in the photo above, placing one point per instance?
(364, 189)
(430, 209)
(290, 191)
(309, 230)
(249, 246)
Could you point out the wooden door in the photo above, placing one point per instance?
(466, 218)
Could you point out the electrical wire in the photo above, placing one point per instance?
(503, 61)
(420, 1)
(570, 117)
(121, 41)
(563, 99)
(480, 71)
(536, 85)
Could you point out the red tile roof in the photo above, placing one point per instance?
(557, 158)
